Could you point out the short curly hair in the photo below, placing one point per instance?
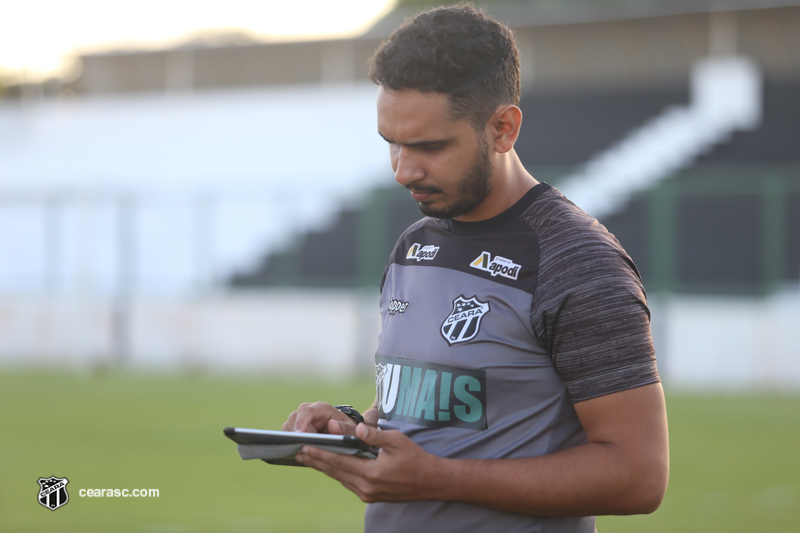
(454, 50)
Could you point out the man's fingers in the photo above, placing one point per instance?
(319, 417)
(363, 432)
(308, 418)
(348, 470)
(329, 463)
(289, 424)
(335, 427)
(374, 436)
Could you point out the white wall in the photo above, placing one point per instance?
(331, 333)
(729, 342)
(187, 189)
(702, 343)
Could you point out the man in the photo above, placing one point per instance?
(516, 377)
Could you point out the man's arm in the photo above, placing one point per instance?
(622, 469)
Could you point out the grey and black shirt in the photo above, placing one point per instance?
(491, 331)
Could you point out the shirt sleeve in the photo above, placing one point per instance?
(590, 309)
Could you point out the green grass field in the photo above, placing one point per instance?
(735, 459)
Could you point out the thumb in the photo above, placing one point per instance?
(371, 435)
(335, 427)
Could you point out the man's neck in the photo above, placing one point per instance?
(510, 181)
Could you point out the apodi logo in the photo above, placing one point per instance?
(422, 253)
(499, 266)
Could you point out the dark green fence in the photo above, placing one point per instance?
(722, 229)
(710, 229)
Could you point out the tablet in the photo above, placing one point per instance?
(280, 447)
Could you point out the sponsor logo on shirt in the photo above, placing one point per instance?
(397, 306)
(430, 394)
(464, 321)
(499, 266)
(420, 253)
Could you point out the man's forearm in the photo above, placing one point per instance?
(623, 469)
(592, 479)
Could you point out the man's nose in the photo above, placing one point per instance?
(406, 167)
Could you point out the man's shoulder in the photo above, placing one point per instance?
(421, 225)
(552, 211)
(418, 230)
(575, 248)
(564, 227)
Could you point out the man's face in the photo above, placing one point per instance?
(444, 164)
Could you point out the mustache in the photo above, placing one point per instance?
(429, 189)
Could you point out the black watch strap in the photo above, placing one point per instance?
(350, 411)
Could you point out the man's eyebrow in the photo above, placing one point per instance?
(418, 144)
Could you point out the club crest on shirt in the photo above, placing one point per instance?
(464, 321)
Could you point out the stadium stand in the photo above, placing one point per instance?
(593, 78)
(142, 202)
(719, 242)
(722, 218)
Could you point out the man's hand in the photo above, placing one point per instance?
(622, 469)
(319, 417)
(402, 472)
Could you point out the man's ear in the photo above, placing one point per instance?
(504, 125)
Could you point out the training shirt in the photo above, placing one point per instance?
(490, 331)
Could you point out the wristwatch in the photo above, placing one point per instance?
(350, 411)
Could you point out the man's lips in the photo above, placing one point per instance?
(420, 196)
(423, 194)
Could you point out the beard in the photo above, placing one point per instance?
(473, 189)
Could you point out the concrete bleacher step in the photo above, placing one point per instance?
(725, 98)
